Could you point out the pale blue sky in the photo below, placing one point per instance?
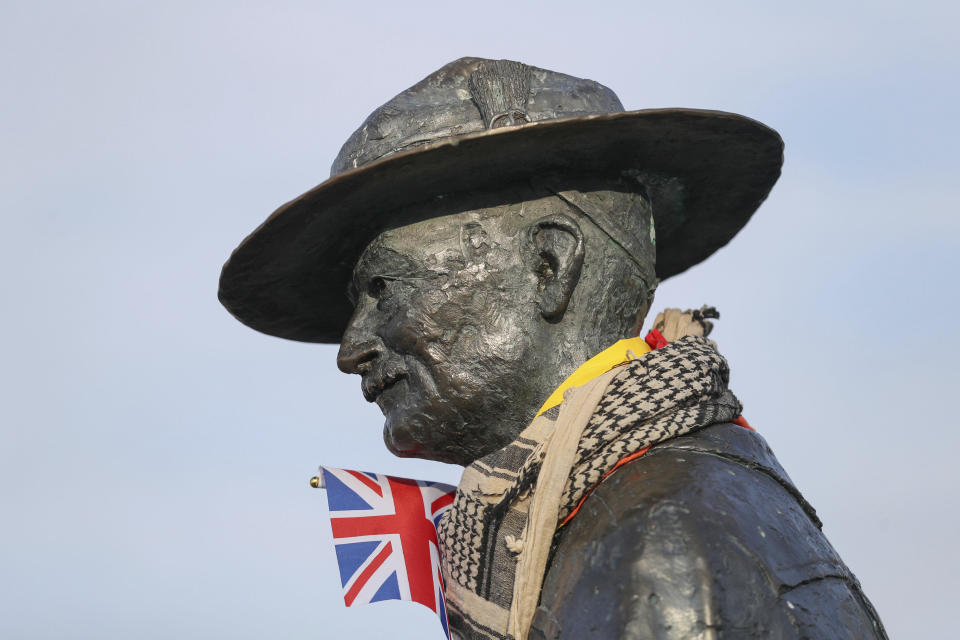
(154, 453)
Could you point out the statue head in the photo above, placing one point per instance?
(487, 231)
(465, 322)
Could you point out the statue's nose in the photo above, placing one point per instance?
(357, 357)
(360, 347)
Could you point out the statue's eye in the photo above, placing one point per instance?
(376, 287)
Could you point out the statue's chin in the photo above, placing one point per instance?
(401, 442)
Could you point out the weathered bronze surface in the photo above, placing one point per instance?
(472, 249)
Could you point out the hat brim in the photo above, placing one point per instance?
(288, 278)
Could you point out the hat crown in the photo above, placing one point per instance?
(467, 96)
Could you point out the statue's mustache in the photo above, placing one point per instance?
(377, 381)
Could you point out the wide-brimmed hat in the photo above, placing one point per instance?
(476, 125)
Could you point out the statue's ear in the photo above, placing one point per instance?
(557, 243)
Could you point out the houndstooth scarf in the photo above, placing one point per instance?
(664, 394)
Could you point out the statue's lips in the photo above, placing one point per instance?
(374, 385)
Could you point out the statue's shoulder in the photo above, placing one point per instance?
(704, 531)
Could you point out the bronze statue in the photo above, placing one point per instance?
(483, 235)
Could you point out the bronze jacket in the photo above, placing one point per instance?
(704, 537)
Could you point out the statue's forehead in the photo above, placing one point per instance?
(413, 247)
(427, 235)
(442, 239)
(439, 233)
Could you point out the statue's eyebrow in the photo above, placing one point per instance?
(379, 261)
(353, 288)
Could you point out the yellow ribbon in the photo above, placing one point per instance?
(621, 352)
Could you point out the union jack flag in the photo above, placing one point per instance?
(385, 536)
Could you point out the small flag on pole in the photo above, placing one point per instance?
(385, 537)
